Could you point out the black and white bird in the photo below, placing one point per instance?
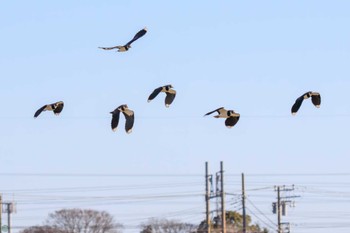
(315, 99)
(170, 94)
(129, 118)
(55, 107)
(231, 116)
(127, 46)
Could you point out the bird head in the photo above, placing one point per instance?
(123, 107)
(58, 103)
(232, 113)
(307, 95)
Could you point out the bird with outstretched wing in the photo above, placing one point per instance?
(167, 89)
(55, 107)
(315, 99)
(231, 116)
(127, 46)
(129, 118)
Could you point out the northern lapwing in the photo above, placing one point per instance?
(231, 116)
(127, 46)
(170, 94)
(315, 99)
(55, 107)
(129, 118)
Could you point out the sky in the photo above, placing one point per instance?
(254, 57)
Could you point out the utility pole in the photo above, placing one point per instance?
(243, 205)
(280, 207)
(220, 218)
(207, 196)
(9, 209)
(279, 210)
(222, 193)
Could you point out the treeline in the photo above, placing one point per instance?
(93, 221)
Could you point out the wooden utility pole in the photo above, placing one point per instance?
(219, 194)
(9, 206)
(223, 212)
(9, 209)
(207, 197)
(243, 205)
(279, 207)
(279, 230)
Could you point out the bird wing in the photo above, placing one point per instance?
(231, 121)
(216, 110)
(297, 104)
(170, 96)
(129, 120)
(115, 120)
(154, 93)
(59, 108)
(316, 99)
(138, 35)
(37, 113)
(109, 48)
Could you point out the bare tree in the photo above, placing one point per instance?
(42, 229)
(155, 225)
(83, 221)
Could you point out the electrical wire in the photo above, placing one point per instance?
(270, 227)
(255, 207)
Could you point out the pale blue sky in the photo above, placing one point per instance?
(255, 57)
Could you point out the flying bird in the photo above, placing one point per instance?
(170, 94)
(127, 46)
(129, 118)
(55, 107)
(315, 99)
(231, 116)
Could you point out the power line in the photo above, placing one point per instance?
(255, 207)
(67, 117)
(271, 227)
(104, 188)
(98, 175)
(291, 174)
(43, 175)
